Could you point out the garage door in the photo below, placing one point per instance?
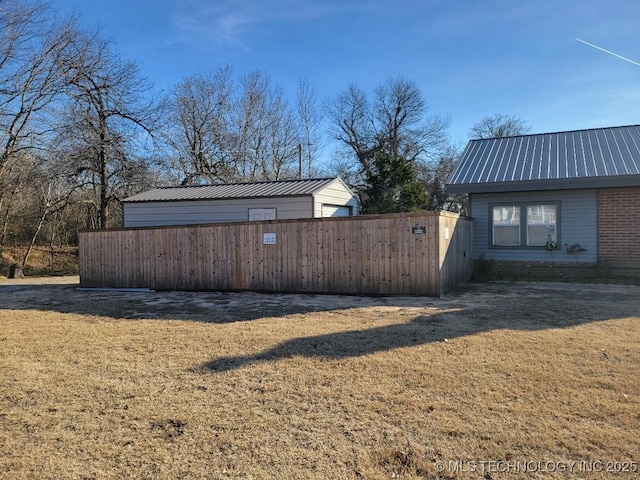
(335, 211)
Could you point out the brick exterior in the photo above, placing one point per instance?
(619, 228)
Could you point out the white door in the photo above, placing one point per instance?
(262, 214)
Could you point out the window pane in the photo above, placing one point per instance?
(506, 235)
(506, 215)
(537, 235)
(506, 225)
(541, 224)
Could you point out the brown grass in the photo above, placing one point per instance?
(495, 373)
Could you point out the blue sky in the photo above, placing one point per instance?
(469, 58)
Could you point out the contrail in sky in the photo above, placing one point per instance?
(609, 52)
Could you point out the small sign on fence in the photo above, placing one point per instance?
(268, 238)
(419, 230)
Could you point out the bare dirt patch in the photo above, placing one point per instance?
(107, 384)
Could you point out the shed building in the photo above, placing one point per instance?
(240, 202)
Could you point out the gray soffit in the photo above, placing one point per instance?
(594, 158)
(282, 188)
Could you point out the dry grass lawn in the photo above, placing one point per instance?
(205, 385)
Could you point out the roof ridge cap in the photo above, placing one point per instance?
(555, 133)
(252, 182)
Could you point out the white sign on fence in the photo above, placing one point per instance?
(269, 238)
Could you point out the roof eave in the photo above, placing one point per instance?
(199, 199)
(159, 194)
(548, 184)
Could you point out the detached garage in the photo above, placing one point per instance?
(240, 202)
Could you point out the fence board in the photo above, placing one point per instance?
(356, 255)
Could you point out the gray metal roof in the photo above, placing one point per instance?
(280, 188)
(594, 158)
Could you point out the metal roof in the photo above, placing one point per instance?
(594, 158)
(279, 188)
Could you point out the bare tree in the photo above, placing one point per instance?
(266, 131)
(395, 122)
(198, 130)
(31, 42)
(352, 125)
(310, 120)
(401, 126)
(222, 130)
(50, 193)
(498, 125)
(110, 115)
(14, 180)
(434, 177)
(389, 139)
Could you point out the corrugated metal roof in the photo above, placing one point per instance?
(280, 188)
(598, 157)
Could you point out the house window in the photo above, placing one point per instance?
(528, 225)
(506, 225)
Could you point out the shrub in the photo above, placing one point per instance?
(482, 269)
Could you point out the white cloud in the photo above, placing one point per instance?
(233, 22)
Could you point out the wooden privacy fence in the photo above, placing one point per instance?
(424, 253)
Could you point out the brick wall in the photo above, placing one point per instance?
(559, 271)
(619, 228)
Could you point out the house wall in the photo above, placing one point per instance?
(578, 223)
(619, 228)
(193, 212)
(335, 193)
(422, 253)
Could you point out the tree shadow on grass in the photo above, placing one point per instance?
(508, 309)
(421, 330)
(470, 309)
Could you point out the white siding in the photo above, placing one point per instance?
(335, 194)
(147, 214)
(578, 224)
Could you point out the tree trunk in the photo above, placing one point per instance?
(52, 242)
(35, 237)
(104, 174)
(15, 271)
